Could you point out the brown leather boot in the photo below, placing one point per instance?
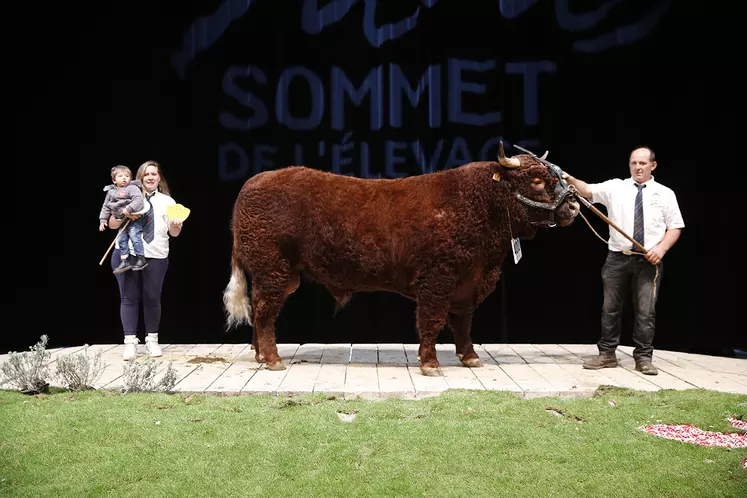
(603, 360)
(646, 367)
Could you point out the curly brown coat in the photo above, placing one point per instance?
(438, 238)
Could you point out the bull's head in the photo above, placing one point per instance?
(547, 199)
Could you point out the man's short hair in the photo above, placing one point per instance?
(652, 155)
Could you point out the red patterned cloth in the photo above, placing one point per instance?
(688, 433)
(739, 424)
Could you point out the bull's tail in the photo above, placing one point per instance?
(236, 295)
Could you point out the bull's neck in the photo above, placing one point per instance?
(507, 220)
(509, 216)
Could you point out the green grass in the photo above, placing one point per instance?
(459, 444)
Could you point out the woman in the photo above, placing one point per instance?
(145, 286)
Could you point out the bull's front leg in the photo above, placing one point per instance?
(460, 323)
(431, 318)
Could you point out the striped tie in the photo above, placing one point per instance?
(148, 222)
(638, 223)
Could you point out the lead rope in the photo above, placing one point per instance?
(656, 267)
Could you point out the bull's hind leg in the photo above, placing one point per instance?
(431, 318)
(268, 298)
(460, 323)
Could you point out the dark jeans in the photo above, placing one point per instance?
(132, 232)
(622, 274)
(140, 286)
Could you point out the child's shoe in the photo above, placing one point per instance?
(123, 266)
(140, 263)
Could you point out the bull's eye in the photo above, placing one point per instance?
(538, 183)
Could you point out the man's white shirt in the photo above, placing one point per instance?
(660, 210)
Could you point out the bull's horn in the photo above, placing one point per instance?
(544, 156)
(507, 162)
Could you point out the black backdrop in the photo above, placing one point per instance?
(99, 85)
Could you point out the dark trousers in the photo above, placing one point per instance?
(622, 274)
(136, 287)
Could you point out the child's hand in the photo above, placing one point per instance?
(125, 213)
(102, 226)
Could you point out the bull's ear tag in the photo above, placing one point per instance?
(496, 177)
(516, 247)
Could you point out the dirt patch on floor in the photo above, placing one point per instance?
(207, 359)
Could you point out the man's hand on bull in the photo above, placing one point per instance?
(655, 255)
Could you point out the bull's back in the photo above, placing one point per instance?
(348, 232)
(319, 198)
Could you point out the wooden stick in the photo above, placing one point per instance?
(609, 222)
(114, 241)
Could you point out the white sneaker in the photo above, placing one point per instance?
(151, 344)
(130, 348)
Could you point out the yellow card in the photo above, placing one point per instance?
(177, 212)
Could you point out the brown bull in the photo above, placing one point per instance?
(438, 239)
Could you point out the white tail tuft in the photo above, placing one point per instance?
(236, 298)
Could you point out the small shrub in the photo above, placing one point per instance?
(140, 377)
(78, 371)
(28, 371)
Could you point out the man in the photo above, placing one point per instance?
(648, 212)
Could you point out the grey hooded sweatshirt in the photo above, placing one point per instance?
(119, 198)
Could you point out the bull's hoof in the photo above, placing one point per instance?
(252, 347)
(471, 362)
(259, 358)
(431, 371)
(276, 366)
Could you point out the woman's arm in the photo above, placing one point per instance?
(114, 223)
